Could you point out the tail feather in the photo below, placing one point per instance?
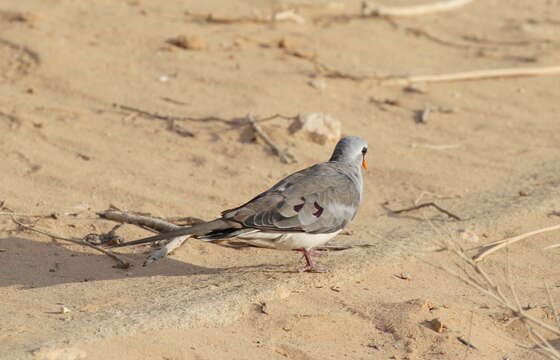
(196, 230)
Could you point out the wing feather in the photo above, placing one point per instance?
(319, 199)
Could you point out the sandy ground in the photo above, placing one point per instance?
(67, 150)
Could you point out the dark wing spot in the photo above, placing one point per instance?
(297, 208)
(319, 209)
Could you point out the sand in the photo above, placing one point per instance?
(487, 152)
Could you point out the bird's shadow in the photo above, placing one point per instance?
(31, 264)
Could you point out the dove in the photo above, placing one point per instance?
(300, 212)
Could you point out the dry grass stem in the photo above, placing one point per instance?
(474, 75)
(497, 245)
(483, 283)
(552, 305)
(371, 9)
(121, 262)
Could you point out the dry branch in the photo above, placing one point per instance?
(371, 9)
(474, 75)
(432, 204)
(482, 282)
(284, 156)
(497, 245)
(170, 120)
(423, 33)
(166, 249)
(150, 223)
(328, 72)
(121, 262)
(140, 220)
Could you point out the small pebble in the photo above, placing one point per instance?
(188, 42)
(437, 326)
(318, 83)
(419, 88)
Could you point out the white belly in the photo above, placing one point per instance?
(287, 241)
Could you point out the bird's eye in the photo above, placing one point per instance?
(364, 150)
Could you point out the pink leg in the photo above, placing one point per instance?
(310, 267)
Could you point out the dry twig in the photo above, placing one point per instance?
(423, 33)
(166, 249)
(170, 120)
(150, 223)
(284, 156)
(432, 204)
(328, 72)
(497, 245)
(370, 9)
(474, 75)
(121, 262)
(466, 343)
(139, 220)
(482, 282)
(287, 15)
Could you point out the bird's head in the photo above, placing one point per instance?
(352, 149)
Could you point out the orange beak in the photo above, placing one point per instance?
(364, 164)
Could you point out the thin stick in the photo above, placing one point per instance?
(339, 246)
(497, 245)
(423, 33)
(166, 249)
(51, 215)
(232, 122)
(494, 291)
(284, 157)
(288, 15)
(474, 75)
(466, 343)
(432, 204)
(151, 223)
(470, 337)
(551, 246)
(552, 306)
(121, 262)
(499, 297)
(140, 220)
(369, 9)
(171, 120)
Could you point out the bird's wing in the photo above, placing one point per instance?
(319, 199)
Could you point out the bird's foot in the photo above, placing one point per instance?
(313, 268)
(310, 265)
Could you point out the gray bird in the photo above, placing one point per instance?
(302, 211)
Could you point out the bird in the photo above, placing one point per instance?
(300, 212)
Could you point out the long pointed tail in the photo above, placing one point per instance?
(198, 229)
